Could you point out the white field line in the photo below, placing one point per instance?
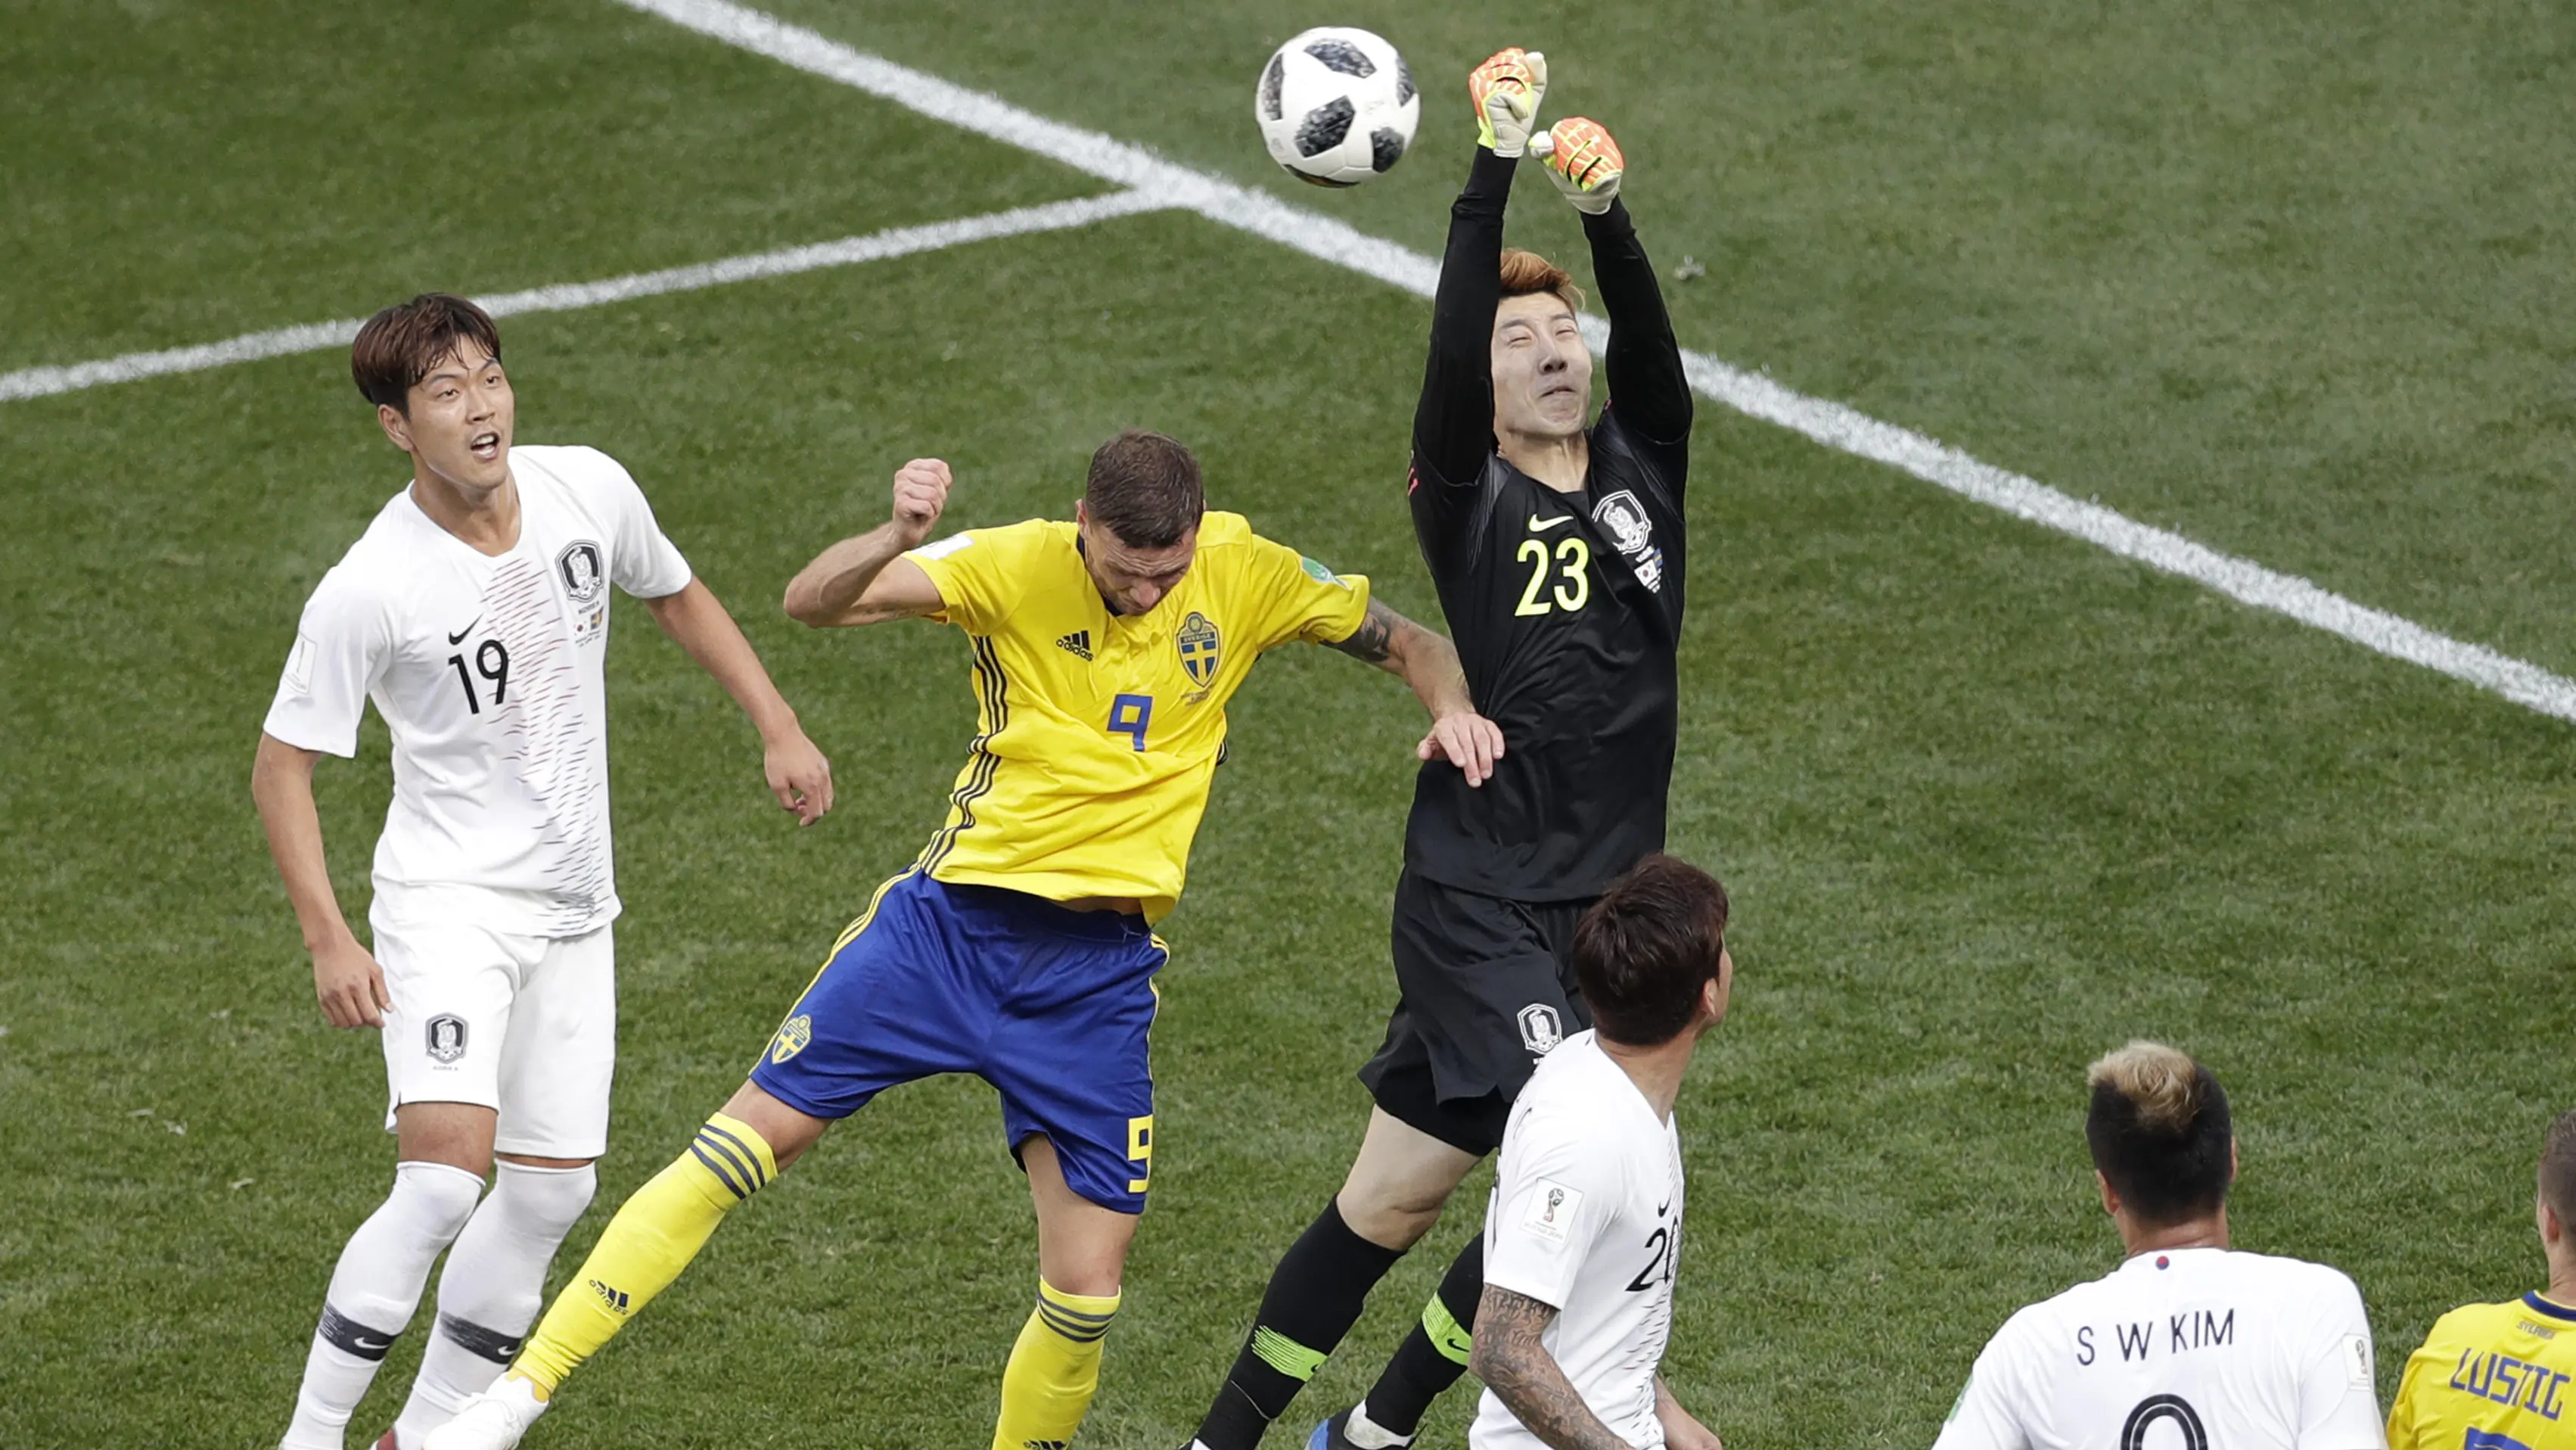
(1832, 424)
(319, 336)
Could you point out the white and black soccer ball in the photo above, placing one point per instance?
(1336, 106)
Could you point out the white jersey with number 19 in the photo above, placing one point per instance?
(2180, 1349)
(487, 669)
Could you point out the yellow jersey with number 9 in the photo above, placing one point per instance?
(1097, 734)
(2491, 1377)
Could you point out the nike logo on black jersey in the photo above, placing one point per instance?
(459, 636)
(1077, 644)
(1538, 524)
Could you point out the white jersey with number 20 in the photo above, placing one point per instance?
(487, 672)
(1587, 1216)
(2180, 1349)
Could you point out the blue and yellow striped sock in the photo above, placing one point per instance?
(1054, 1370)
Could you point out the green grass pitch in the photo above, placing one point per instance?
(2288, 279)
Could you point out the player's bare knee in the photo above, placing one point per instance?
(787, 1131)
(1085, 1254)
(1389, 1215)
(456, 1135)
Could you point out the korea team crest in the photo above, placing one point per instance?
(1541, 1030)
(584, 575)
(1197, 643)
(1633, 530)
(445, 1034)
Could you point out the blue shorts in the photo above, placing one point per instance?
(1049, 1005)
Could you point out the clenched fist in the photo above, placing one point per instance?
(920, 495)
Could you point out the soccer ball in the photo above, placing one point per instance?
(1336, 106)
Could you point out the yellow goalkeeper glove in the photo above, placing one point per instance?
(1506, 90)
(1583, 161)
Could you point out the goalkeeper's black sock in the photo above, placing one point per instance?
(1435, 1353)
(1314, 1298)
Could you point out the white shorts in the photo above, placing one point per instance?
(525, 1025)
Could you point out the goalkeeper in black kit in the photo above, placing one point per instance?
(1560, 554)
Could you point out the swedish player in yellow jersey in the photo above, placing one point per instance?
(2503, 1376)
(1018, 947)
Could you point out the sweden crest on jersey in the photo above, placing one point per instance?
(1197, 643)
(792, 1036)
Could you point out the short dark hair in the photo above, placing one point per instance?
(398, 346)
(1144, 488)
(2558, 1168)
(2160, 1133)
(1646, 949)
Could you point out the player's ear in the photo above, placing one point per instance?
(2110, 1198)
(397, 427)
(2231, 1158)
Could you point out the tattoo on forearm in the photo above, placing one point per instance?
(1518, 1369)
(1374, 640)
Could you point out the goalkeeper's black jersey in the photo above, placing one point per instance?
(1566, 608)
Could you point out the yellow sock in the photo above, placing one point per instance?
(1054, 1369)
(645, 1247)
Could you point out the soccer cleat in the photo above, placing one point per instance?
(492, 1420)
(1335, 1434)
(1584, 163)
(1506, 90)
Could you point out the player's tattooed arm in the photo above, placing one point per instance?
(1374, 641)
(1426, 660)
(1512, 1362)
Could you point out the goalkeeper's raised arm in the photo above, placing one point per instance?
(1453, 425)
(1647, 384)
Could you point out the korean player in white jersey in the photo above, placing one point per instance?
(474, 613)
(1583, 1235)
(2188, 1345)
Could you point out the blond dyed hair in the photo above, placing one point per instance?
(2161, 1133)
(2162, 1083)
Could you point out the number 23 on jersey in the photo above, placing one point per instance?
(1559, 579)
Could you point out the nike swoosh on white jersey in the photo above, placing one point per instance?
(1537, 524)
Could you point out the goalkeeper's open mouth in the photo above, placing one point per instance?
(485, 445)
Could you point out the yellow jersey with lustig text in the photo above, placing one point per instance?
(2491, 1377)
